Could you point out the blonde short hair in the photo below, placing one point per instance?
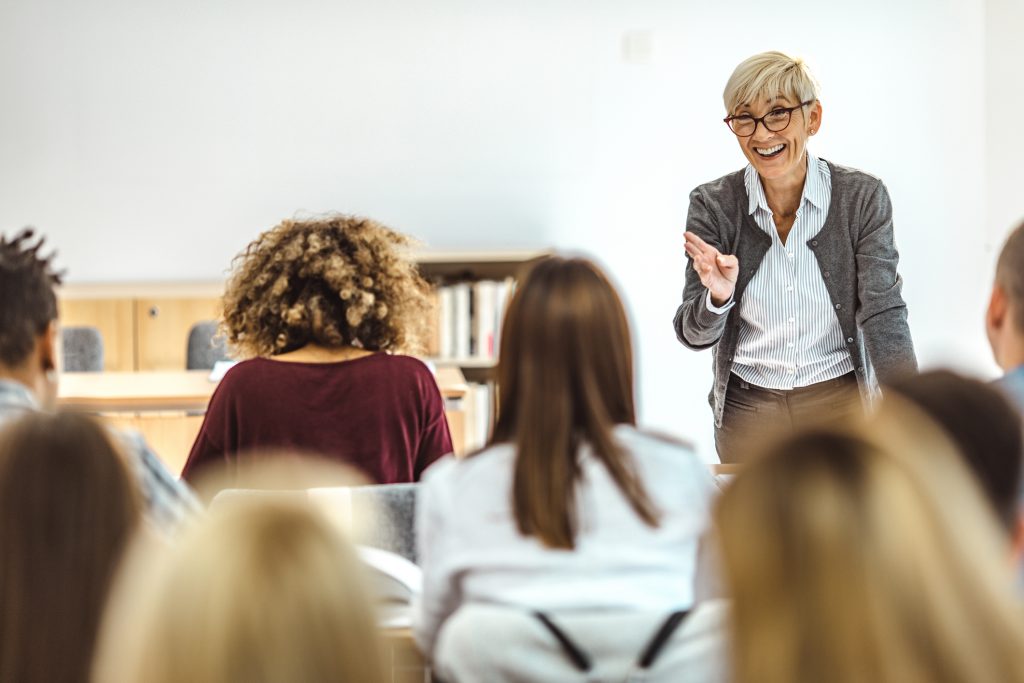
(766, 75)
(258, 591)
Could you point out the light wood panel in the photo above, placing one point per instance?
(114, 318)
(135, 391)
(174, 390)
(162, 327)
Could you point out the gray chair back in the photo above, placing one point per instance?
(205, 346)
(383, 515)
(82, 349)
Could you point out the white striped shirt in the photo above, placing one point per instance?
(789, 335)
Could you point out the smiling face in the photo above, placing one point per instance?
(779, 156)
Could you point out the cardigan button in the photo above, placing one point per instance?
(814, 243)
(849, 340)
(860, 369)
(826, 273)
(838, 306)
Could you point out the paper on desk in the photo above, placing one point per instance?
(220, 368)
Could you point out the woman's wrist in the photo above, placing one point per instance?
(718, 300)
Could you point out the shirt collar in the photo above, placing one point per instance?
(812, 186)
(813, 190)
(16, 395)
(755, 191)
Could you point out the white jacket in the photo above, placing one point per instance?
(471, 551)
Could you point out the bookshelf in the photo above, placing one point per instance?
(471, 291)
(472, 271)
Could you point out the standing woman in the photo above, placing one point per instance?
(794, 283)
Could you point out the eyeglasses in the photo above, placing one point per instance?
(774, 121)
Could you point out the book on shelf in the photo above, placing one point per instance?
(469, 315)
(461, 327)
(483, 414)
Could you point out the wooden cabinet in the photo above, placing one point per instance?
(144, 326)
(115, 319)
(162, 327)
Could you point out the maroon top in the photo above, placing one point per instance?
(382, 413)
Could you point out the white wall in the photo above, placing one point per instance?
(152, 141)
(1004, 108)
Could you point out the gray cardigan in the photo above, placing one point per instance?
(857, 257)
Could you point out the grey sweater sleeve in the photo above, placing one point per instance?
(696, 327)
(882, 312)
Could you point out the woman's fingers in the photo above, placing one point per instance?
(728, 262)
(699, 244)
(692, 238)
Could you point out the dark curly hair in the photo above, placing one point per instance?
(334, 281)
(28, 303)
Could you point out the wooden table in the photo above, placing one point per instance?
(404, 662)
(168, 407)
(116, 392)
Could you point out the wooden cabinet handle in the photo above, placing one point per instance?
(154, 311)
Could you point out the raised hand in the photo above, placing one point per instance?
(717, 271)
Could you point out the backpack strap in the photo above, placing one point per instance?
(661, 636)
(579, 658)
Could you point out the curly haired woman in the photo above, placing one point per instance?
(321, 310)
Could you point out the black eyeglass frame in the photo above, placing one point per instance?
(789, 111)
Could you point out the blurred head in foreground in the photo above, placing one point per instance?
(1004, 318)
(867, 556)
(986, 429)
(68, 505)
(261, 591)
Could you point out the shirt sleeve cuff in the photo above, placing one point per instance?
(718, 310)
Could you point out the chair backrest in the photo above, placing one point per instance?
(502, 644)
(205, 346)
(383, 516)
(81, 349)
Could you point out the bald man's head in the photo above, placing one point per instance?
(1010, 275)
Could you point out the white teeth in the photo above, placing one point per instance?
(769, 151)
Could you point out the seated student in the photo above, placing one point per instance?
(68, 505)
(570, 507)
(855, 558)
(987, 431)
(261, 591)
(321, 308)
(28, 361)
(1004, 320)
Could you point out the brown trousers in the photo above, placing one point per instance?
(754, 414)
